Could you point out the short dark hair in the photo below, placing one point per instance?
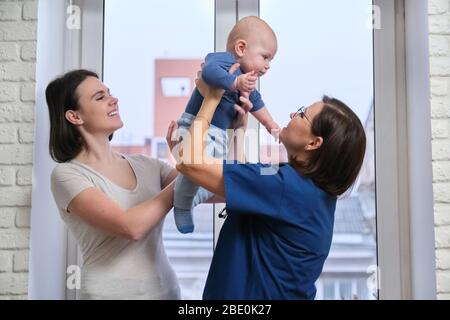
(335, 166)
(65, 140)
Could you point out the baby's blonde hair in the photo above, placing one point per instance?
(247, 28)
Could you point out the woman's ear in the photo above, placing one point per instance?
(240, 48)
(73, 117)
(314, 144)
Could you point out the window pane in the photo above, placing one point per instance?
(363, 291)
(345, 290)
(152, 51)
(329, 289)
(325, 47)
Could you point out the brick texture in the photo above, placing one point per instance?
(18, 27)
(439, 26)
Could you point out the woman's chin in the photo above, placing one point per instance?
(114, 129)
(119, 125)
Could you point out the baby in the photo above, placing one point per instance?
(252, 43)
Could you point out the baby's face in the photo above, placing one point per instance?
(258, 54)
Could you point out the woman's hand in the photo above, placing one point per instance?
(172, 136)
(206, 90)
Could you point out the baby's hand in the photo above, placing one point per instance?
(274, 130)
(246, 104)
(246, 82)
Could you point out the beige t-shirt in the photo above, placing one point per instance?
(113, 267)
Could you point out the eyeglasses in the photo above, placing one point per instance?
(301, 112)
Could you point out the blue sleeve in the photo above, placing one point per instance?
(255, 98)
(215, 71)
(248, 191)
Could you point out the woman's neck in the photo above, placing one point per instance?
(298, 156)
(96, 150)
(297, 161)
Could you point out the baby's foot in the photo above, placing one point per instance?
(183, 220)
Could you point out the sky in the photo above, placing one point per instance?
(324, 47)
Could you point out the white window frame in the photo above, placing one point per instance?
(421, 207)
(59, 49)
(390, 117)
(82, 48)
(226, 17)
(47, 235)
(405, 226)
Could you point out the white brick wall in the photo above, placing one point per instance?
(439, 22)
(17, 94)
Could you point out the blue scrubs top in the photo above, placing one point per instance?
(276, 237)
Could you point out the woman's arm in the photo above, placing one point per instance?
(236, 150)
(192, 161)
(98, 210)
(204, 170)
(170, 177)
(216, 199)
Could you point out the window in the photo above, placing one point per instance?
(336, 59)
(336, 288)
(176, 86)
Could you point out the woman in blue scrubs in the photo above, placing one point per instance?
(279, 227)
